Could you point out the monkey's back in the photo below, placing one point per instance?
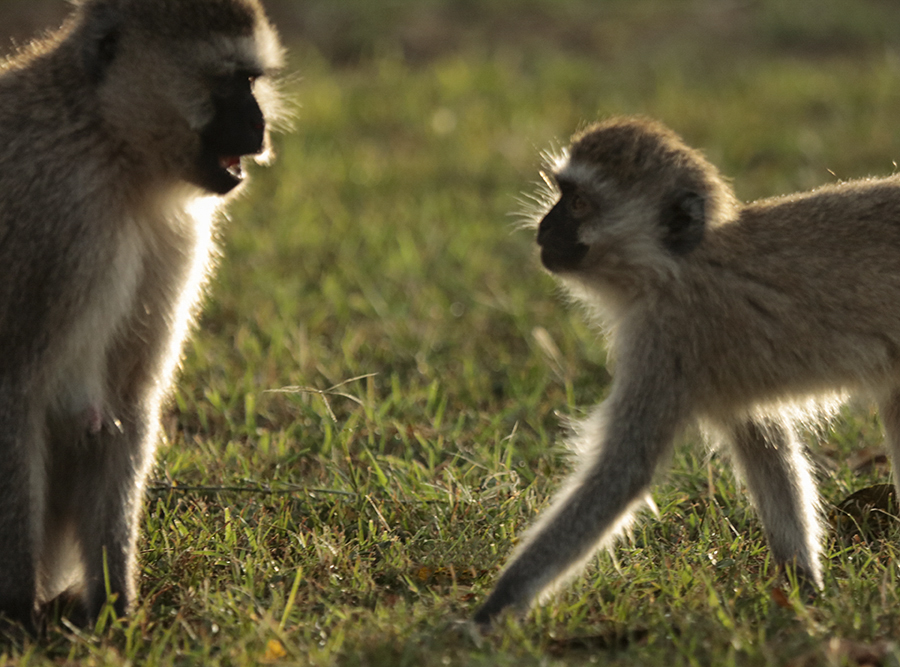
(808, 285)
(52, 235)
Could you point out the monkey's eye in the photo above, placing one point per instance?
(579, 205)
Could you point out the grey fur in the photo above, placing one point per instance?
(740, 324)
(105, 248)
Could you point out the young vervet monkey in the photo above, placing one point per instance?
(119, 135)
(741, 317)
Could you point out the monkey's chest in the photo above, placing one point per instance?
(80, 385)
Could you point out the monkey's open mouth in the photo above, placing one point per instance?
(232, 164)
(219, 174)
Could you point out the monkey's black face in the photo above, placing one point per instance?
(561, 250)
(238, 128)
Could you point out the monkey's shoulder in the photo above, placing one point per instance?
(856, 198)
(839, 218)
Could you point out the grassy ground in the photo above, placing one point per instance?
(358, 517)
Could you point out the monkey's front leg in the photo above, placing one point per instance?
(634, 433)
(103, 485)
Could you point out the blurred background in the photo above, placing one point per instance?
(753, 66)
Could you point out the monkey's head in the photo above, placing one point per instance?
(633, 200)
(181, 85)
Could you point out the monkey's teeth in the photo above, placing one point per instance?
(231, 164)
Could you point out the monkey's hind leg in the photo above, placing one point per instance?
(889, 411)
(770, 459)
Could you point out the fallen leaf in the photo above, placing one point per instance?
(781, 598)
(867, 513)
(274, 651)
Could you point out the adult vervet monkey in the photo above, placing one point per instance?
(119, 135)
(738, 316)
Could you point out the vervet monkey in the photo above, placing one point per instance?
(118, 136)
(742, 317)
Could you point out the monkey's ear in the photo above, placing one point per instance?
(102, 41)
(684, 221)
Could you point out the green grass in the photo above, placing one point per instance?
(375, 268)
